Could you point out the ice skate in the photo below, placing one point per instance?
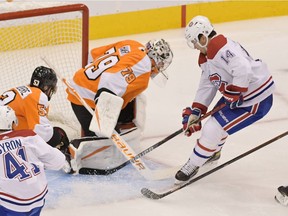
(282, 196)
(186, 172)
(213, 160)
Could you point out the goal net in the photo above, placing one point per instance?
(59, 33)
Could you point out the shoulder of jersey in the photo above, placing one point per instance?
(132, 42)
(34, 89)
(134, 45)
(202, 59)
(18, 133)
(28, 88)
(215, 45)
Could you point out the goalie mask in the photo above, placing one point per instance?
(45, 79)
(7, 118)
(159, 50)
(199, 25)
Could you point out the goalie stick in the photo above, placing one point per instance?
(91, 171)
(120, 143)
(152, 195)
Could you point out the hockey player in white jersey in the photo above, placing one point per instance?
(245, 84)
(23, 157)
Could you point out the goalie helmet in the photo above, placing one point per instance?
(199, 25)
(7, 118)
(159, 50)
(45, 79)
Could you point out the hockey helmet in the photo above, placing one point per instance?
(7, 118)
(45, 79)
(160, 51)
(199, 25)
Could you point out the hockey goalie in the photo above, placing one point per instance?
(98, 155)
(111, 85)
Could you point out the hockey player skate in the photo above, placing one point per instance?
(186, 173)
(189, 170)
(214, 158)
(282, 196)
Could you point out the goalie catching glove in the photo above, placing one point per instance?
(190, 120)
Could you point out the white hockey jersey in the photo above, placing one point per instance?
(227, 63)
(23, 158)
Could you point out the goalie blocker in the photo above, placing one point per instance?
(100, 152)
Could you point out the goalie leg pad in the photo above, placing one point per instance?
(140, 110)
(101, 153)
(106, 114)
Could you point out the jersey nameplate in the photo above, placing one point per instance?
(24, 91)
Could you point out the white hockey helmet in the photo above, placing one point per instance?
(7, 118)
(160, 51)
(198, 25)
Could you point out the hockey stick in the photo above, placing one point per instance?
(76, 94)
(152, 195)
(120, 143)
(90, 171)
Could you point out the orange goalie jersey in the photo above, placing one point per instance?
(123, 68)
(31, 107)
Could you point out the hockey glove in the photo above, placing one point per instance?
(63, 141)
(233, 99)
(63, 146)
(190, 120)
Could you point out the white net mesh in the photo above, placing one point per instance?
(25, 40)
(6, 7)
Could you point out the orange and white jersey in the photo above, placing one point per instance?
(122, 67)
(31, 107)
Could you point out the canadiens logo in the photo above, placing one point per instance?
(215, 79)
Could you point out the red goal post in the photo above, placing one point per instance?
(60, 33)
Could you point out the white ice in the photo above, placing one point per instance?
(246, 187)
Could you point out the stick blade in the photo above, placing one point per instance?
(91, 171)
(150, 194)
